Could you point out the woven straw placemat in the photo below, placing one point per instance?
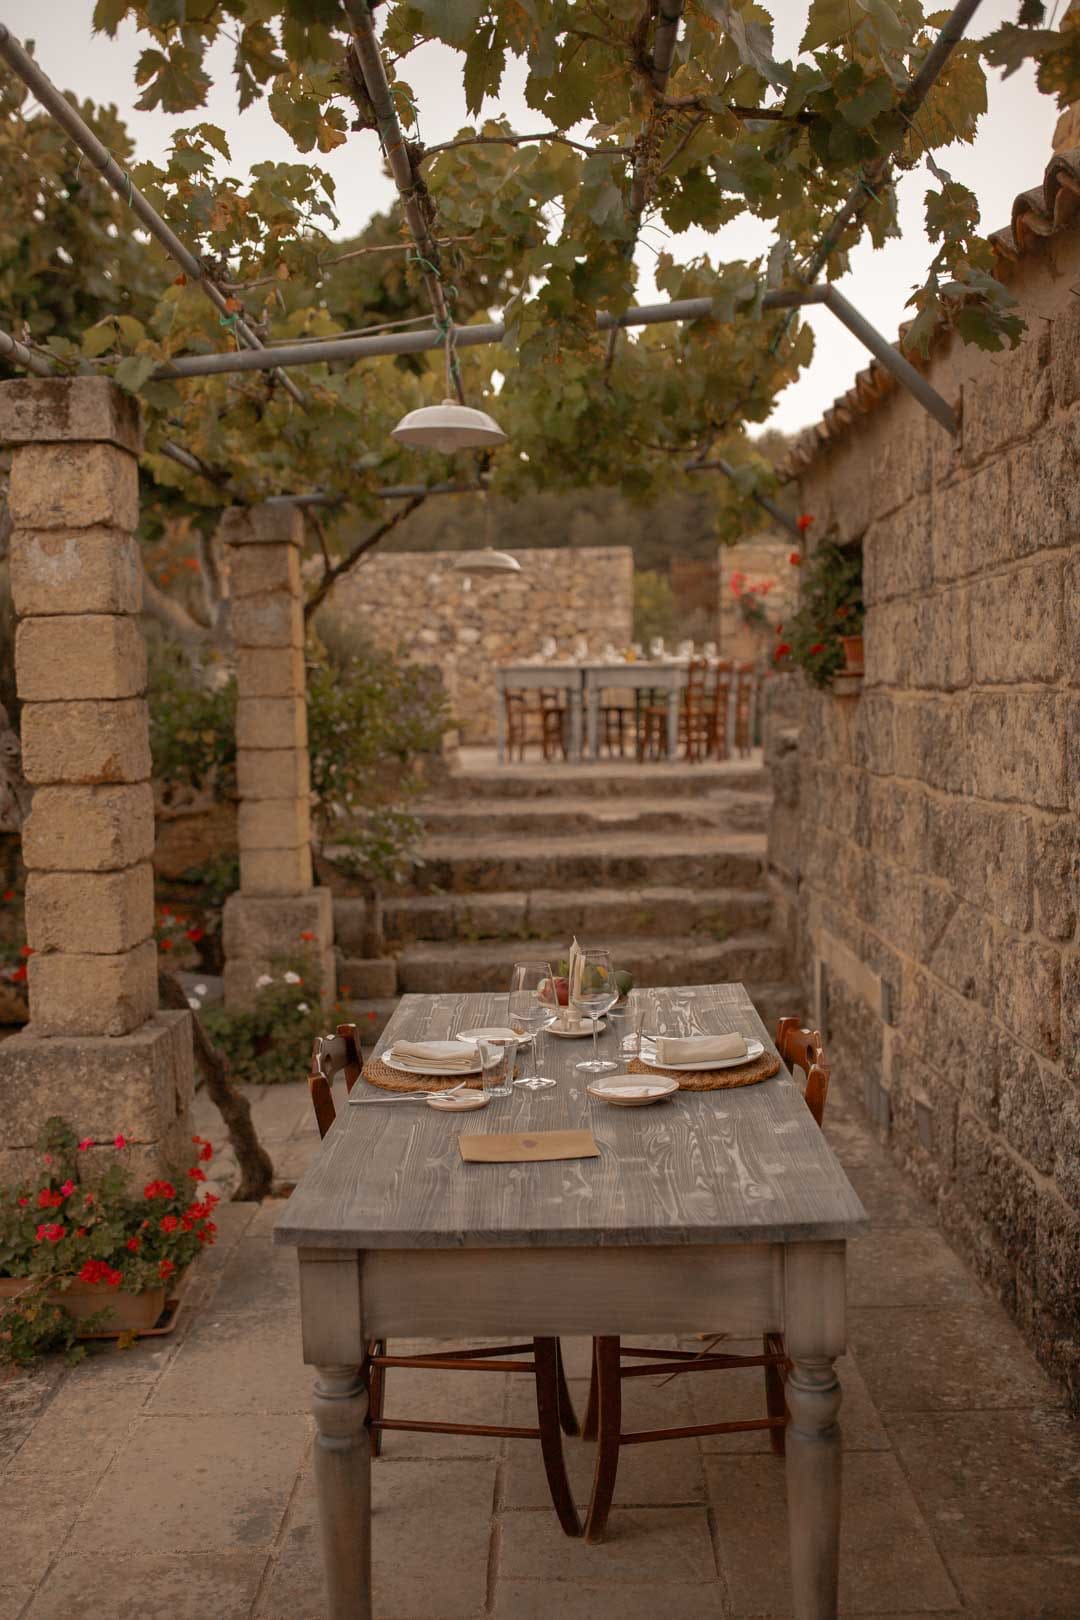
(376, 1073)
(747, 1074)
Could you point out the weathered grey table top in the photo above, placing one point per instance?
(730, 1166)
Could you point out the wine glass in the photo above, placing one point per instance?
(531, 1007)
(656, 648)
(593, 990)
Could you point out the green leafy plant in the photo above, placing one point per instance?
(750, 600)
(192, 723)
(74, 1222)
(270, 1042)
(830, 606)
(654, 605)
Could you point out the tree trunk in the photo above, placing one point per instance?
(256, 1166)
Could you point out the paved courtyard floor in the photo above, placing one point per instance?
(173, 1482)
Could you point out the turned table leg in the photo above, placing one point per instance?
(814, 1337)
(343, 1479)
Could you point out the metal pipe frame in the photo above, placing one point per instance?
(57, 105)
(785, 519)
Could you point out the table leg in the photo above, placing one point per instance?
(500, 723)
(574, 698)
(814, 1337)
(673, 697)
(592, 698)
(343, 1479)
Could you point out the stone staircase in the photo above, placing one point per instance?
(664, 864)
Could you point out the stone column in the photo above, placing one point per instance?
(278, 914)
(96, 1049)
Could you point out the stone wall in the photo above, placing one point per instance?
(465, 623)
(924, 846)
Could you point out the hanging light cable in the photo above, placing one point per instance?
(449, 426)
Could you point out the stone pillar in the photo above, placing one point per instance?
(278, 914)
(96, 1049)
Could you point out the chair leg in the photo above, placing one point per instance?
(591, 1426)
(775, 1398)
(546, 1353)
(607, 1453)
(567, 1416)
(376, 1393)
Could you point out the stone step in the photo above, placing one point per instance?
(433, 968)
(618, 861)
(589, 913)
(603, 781)
(718, 810)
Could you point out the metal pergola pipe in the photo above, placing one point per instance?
(56, 103)
(891, 358)
(19, 355)
(785, 519)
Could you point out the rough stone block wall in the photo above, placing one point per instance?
(465, 624)
(924, 845)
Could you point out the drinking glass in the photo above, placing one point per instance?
(656, 647)
(532, 1006)
(496, 1066)
(624, 1022)
(593, 991)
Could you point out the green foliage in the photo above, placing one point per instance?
(79, 1219)
(654, 606)
(830, 606)
(192, 723)
(270, 1044)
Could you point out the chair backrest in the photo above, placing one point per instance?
(696, 675)
(332, 1055)
(802, 1048)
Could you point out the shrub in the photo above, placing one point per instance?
(270, 1043)
(830, 606)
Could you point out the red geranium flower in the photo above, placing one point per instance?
(26, 950)
(23, 1202)
(46, 1158)
(196, 1174)
(94, 1271)
(306, 935)
(47, 1199)
(166, 1269)
(206, 1152)
(166, 944)
(819, 646)
(68, 1188)
(795, 558)
(783, 650)
(18, 976)
(9, 894)
(134, 1244)
(169, 1223)
(194, 934)
(804, 522)
(159, 1189)
(50, 1234)
(89, 1198)
(86, 1143)
(119, 1141)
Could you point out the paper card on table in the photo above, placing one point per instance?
(516, 1147)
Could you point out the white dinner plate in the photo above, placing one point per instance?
(442, 1073)
(458, 1102)
(631, 1090)
(492, 1032)
(577, 1034)
(754, 1049)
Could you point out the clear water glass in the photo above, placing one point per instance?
(532, 1006)
(497, 1060)
(624, 1022)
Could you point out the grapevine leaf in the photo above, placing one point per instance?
(133, 371)
(109, 14)
(451, 20)
(829, 21)
(96, 339)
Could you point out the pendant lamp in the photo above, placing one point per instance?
(449, 427)
(486, 560)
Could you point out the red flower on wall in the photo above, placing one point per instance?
(166, 1269)
(819, 646)
(159, 1189)
(795, 558)
(50, 1234)
(194, 934)
(803, 522)
(47, 1199)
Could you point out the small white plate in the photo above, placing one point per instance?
(441, 1073)
(492, 1032)
(459, 1102)
(631, 1090)
(754, 1049)
(584, 1029)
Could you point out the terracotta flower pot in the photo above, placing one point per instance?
(853, 655)
(127, 1312)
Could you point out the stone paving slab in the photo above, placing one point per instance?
(173, 1482)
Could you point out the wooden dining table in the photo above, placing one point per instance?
(720, 1210)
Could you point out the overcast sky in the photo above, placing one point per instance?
(1011, 152)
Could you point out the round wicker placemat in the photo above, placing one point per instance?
(376, 1073)
(747, 1074)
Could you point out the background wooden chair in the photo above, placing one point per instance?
(799, 1048)
(544, 727)
(719, 740)
(340, 1054)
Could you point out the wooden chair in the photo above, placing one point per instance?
(719, 741)
(550, 734)
(618, 725)
(799, 1048)
(340, 1054)
(695, 715)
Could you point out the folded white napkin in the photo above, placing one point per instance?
(449, 1055)
(699, 1048)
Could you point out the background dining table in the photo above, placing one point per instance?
(719, 1210)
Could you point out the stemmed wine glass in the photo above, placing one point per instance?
(593, 990)
(532, 1006)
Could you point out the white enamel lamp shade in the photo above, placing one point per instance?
(449, 427)
(487, 561)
